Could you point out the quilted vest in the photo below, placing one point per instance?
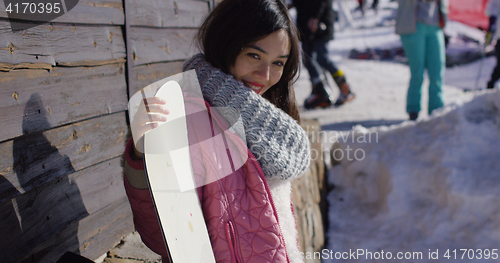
(239, 212)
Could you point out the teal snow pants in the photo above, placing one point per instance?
(425, 49)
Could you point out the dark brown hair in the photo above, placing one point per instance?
(235, 24)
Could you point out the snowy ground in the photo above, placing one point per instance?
(414, 187)
(427, 186)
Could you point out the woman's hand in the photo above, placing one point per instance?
(151, 113)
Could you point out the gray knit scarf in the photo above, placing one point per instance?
(278, 142)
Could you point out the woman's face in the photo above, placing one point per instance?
(260, 65)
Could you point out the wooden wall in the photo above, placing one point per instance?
(161, 37)
(64, 89)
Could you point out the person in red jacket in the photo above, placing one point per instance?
(250, 60)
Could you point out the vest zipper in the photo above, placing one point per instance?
(231, 241)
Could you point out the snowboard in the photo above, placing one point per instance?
(170, 177)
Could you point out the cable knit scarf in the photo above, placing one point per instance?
(278, 142)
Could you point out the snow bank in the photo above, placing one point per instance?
(429, 186)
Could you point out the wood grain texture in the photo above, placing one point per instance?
(8, 66)
(150, 45)
(30, 161)
(61, 44)
(103, 231)
(36, 100)
(96, 234)
(146, 74)
(53, 209)
(100, 185)
(87, 12)
(168, 13)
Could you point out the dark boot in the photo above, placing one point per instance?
(491, 85)
(413, 116)
(345, 91)
(318, 97)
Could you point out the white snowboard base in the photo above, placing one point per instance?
(170, 177)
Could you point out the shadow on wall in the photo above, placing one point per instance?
(32, 223)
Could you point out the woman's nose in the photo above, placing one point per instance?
(263, 71)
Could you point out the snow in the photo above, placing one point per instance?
(422, 186)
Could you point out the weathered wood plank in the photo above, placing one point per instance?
(9, 66)
(87, 12)
(36, 100)
(97, 233)
(146, 74)
(83, 63)
(151, 45)
(168, 13)
(61, 43)
(101, 185)
(77, 212)
(30, 161)
(105, 229)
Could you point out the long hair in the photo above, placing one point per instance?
(235, 24)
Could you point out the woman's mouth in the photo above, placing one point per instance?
(257, 87)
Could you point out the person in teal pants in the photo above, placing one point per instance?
(420, 25)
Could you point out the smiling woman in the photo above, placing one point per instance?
(250, 59)
(260, 66)
(236, 25)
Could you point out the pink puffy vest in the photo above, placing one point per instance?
(239, 212)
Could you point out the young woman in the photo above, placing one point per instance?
(250, 59)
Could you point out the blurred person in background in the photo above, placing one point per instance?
(492, 10)
(361, 5)
(315, 20)
(420, 25)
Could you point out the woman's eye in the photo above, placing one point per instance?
(253, 55)
(279, 63)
